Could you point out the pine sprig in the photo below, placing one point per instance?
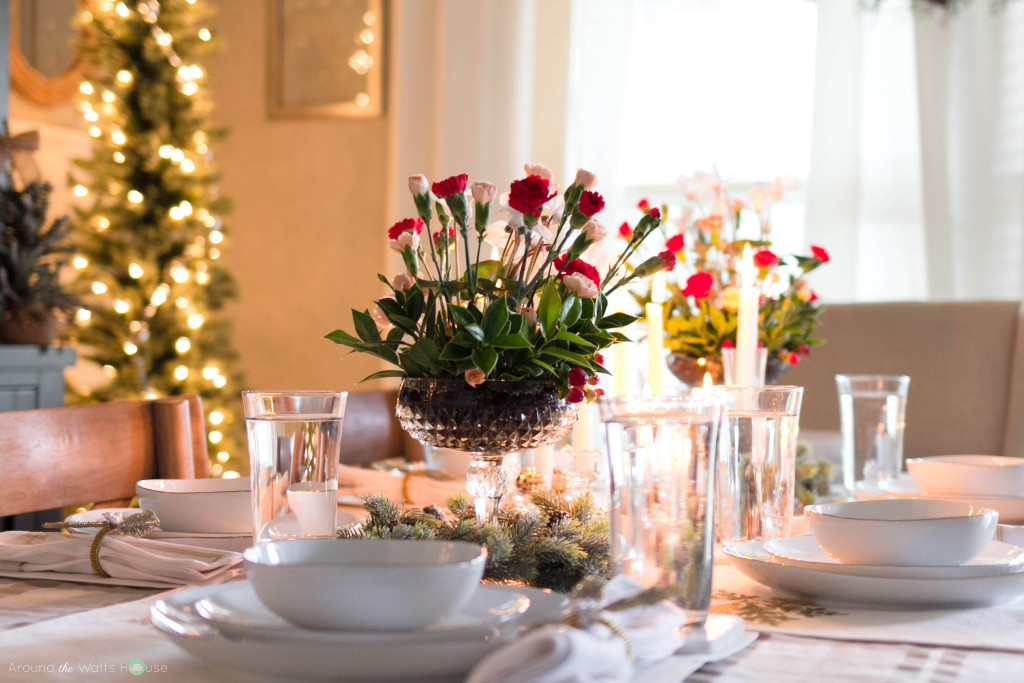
(555, 547)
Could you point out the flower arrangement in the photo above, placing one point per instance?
(522, 298)
(703, 302)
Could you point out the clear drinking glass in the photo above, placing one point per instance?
(757, 462)
(662, 470)
(872, 415)
(729, 365)
(294, 448)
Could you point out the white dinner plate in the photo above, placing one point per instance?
(377, 659)
(754, 561)
(235, 610)
(1010, 508)
(804, 551)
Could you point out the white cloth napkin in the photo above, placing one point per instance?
(560, 653)
(123, 557)
(419, 488)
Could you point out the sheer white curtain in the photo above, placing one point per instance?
(917, 167)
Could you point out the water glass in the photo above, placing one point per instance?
(294, 448)
(729, 365)
(662, 472)
(757, 465)
(872, 415)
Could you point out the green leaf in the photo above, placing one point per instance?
(571, 310)
(342, 337)
(465, 339)
(538, 362)
(485, 359)
(404, 323)
(616, 320)
(548, 309)
(495, 318)
(476, 331)
(562, 354)
(510, 341)
(462, 315)
(565, 335)
(382, 374)
(455, 352)
(365, 327)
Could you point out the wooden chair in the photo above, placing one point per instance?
(95, 453)
(371, 431)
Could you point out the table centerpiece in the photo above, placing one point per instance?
(497, 329)
(701, 310)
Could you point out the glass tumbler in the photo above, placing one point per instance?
(872, 415)
(294, 448)
(757, 467)
(661, 454)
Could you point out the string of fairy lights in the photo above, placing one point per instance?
(140, 288)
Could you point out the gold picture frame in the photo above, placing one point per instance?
(48, 42)
(325, 59)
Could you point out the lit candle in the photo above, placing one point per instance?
(656, 332)
(708, 382)
(746, 330)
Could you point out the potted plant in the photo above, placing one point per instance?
(31, 257)
(497, 329)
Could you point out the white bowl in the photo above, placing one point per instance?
(988, 475)
(365, 584)
(199, 505)
(923, 533)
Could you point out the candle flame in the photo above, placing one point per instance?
(747, 272)
(495, 253)
(658, 287)
(708, 382)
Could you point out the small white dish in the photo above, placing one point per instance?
(359, 659)
(804, 551)
(236, 611)
(1010, 508)
(199, 505)
(902, 532)
(986, 475)
(880, 593)
(365, 584)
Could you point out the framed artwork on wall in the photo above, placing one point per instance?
(325, 59)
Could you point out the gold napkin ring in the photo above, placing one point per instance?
(136, 525)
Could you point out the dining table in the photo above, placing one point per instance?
(67, 630)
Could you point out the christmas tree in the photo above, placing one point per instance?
(149, 228)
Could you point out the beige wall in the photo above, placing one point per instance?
(306, 237)
(308, 228)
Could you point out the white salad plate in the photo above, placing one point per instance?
(753, 560)
(804, 551)
(377, 658)
(235, 610)
(1010, 508)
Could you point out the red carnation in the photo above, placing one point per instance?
(577, 377)
(590, 203)
(699, 285)
(405, 225)
(728, 344)
(440, 233)
(669, 257)
(578, 266)
(644, 205)
(675, 243)
(449, 186)
(625, 230)
(529, 194)
(765, 258)
(820, 254)
(575, 395)
(655, 212)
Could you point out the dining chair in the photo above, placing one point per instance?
(370, 430)
(56, 457)
(965, 360)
